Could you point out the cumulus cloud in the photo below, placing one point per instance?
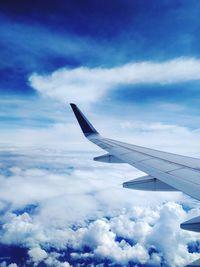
(170, 247)
(37, 254)
(88, 85)
(4, 264)
(82, 214)
(105, 242)
(52, 261)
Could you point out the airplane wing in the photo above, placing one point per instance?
(165, 171)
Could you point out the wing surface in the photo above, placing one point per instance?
(179, 172)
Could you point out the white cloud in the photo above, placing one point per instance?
(4, 264)
(172, 242)
(37, 254)
(68, 137)
(19, 229)
(53, 262)
(57, 136)
(87, 85)
(90, 198)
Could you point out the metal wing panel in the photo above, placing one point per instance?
(187, 174)
(159, 166)
(175, 158)
(180, 172)
(136, 156)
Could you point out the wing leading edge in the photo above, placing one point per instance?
(165, 170)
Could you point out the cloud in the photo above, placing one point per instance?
(37, 254)
(4, 264)
(88, 85)
(80, 204)
(68, 136)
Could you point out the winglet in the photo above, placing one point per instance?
(85, 125)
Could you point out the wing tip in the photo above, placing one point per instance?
(73, 105)
(85, 125)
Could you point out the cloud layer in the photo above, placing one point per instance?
(87, 85)
(66, 213)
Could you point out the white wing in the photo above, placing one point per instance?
(165, 171)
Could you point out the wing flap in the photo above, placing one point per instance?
(148, 183)
(108, 158)
(192, 224)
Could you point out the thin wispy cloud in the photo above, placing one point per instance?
(86, 85)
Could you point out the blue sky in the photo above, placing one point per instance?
(40, 38)
(133, 67)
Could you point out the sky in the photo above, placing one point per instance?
(133, 67)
